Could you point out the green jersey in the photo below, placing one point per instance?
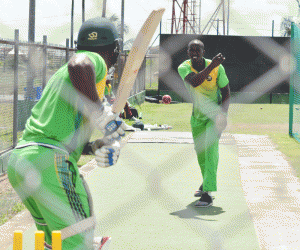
(206, 96)
(57, 118)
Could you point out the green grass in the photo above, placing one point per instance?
(256, 119)
(259, 113)
(175, 115)
(152, 86)
(266, 119)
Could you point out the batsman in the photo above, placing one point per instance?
(208, 86)
(43, 167)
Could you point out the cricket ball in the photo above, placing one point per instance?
(166, 99)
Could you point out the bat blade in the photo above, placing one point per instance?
(135, 58)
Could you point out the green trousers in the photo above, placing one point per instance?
(50, 187)
(206, 143)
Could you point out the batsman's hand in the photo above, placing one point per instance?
(217, 60)
(107, 155)
(111, 125)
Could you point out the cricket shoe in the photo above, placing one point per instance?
(199, 192)
(102, 243)
(206, 200)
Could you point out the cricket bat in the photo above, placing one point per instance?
(135, 59)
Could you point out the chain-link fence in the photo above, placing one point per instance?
(152, 71)
(268, 80)
(263, 83)
(294, 123)
(25, 70)
(6, 90)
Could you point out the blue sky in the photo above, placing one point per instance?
(53, 16)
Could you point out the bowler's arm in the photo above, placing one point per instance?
(197, 79)
(225, 98)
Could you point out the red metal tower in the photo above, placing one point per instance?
(187, 20)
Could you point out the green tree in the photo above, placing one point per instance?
(286, 26)
(127, 44)
(286, 23)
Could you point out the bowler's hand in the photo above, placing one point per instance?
(217, 60)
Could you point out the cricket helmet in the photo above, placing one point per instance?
(98, 31)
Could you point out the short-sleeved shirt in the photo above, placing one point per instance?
(57, 117)
(206, 97)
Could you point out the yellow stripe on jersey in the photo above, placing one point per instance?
(209, 86)
(101, 87)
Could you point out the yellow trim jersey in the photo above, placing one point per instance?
(57, 118)
(100, 86)
(206, 97)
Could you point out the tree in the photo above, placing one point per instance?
(128, 43)
(286, 26)
(286, 23)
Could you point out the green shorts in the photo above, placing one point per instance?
(50, 187)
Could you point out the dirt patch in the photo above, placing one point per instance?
(4, 184)
(8, 198)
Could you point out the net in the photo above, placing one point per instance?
(294, 123)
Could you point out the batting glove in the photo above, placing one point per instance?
(110, 124)
(107, 156)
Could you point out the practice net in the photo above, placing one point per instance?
(294, 123)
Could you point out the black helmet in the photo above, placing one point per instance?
(98, 31)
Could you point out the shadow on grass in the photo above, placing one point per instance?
(192, 212)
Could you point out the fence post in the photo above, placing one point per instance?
(151, 72)
(120, 69)
(16, 85)
(29, 94)
(292, 79)
(144, 74)
(67, 50)
(44, 62)
(4, 59)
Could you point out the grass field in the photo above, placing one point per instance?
(256, 119)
